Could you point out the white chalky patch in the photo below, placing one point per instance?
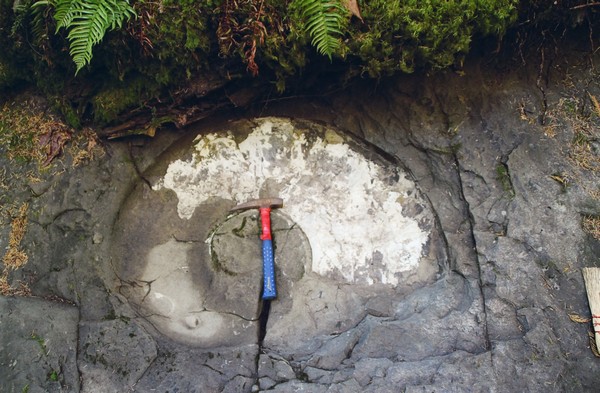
(351, 216)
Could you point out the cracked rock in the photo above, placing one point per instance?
(433, 245)
(108, 368)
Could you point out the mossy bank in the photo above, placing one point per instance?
(153, 56)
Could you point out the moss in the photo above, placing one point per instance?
(41, 342)
(53, 376)
(239, 231)
(20, 131)
(62, 105)
(503, 176)
(116, 98)
(172, 42)
(180, 36)
(401, 36)
(218, 266)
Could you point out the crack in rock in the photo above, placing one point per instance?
(471, 222)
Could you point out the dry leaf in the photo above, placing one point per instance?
(352, 6)
(593, 344)
(560, 179)
(596, 104)
(53, 142)
(578, 318)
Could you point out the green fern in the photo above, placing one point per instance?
(64, 13)
(324, 21)
(87, 21)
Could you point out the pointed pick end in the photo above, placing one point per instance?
(258, 203)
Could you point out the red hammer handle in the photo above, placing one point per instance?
(265, 219)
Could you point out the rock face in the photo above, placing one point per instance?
(343, 200)
(353, 226)
(38, 346)
(431, 239)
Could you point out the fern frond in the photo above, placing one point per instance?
(64, 13)
(38, 23)
(87, 21)
(324, 20)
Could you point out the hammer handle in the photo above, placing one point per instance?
(265, 221)
(269, 291)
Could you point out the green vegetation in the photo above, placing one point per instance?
(324, 21)
(53, 376)
(403, 36)
(87, 22)
(148, 51)
(31, 134)
(503, 177)
(41, 342)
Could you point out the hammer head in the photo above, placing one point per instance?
(258, 203)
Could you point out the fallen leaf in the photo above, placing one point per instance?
(596, 104)
(557, 178)
(352, 6)
(578, 318)
(593, 344)
(53, 142)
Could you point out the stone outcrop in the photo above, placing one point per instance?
(431, 240)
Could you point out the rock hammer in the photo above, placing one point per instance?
(264, 206)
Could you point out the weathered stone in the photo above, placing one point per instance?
(319, 308)
(266, 383)
(284, 371)
(318, 375)
(239, 384)
(480, 301)
(275, 370)
(403, 374)
(181, 368)
(380, 306)
(334, 351)
(201, 284)
(298, 386)
(342, 375)
(235, 246)
(350, 385)
(328, 186)
(106, 367)
(97, 238)
(367, 370)
(188, 294)
(39, 187)
(265, 367)
(38, 346)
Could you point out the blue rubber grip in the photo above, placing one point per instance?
(269, 291)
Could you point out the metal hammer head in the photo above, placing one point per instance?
(258, 203)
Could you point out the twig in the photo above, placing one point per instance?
(578, 7)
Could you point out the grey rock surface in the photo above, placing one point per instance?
(38, 346)
(165, 291)
(106, 367)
